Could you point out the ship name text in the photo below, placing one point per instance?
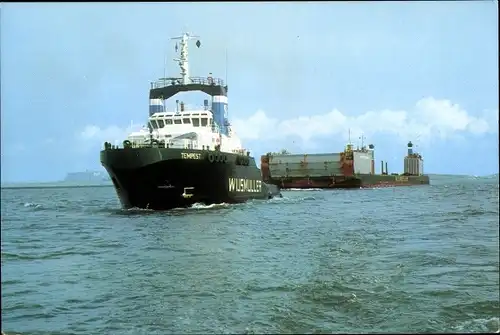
(245, 185)
(190, 155)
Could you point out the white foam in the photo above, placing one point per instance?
(202, 206)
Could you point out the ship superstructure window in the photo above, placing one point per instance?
(204, 122)
(196, 122)
(177, 121)
(186, 120)
(161, 123)
(154, 124)
(168, 121)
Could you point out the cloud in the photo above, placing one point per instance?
(91, 135)
(429, 119)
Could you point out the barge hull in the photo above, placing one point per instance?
(369, 180)
(317, 182)
(358, 181)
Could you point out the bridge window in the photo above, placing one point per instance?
(154, 124)
(196, 122)
(204, 122)
(186, 121)
(161, 123)
(177, 121)
(168, 121)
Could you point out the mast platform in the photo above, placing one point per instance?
(165, 88)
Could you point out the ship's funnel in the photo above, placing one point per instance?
(386, 170)
(219, 110)
(156, 106)
(381, 167)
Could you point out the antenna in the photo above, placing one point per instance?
(183, 61)
(349, 135)
(226, 65)
(165, 65)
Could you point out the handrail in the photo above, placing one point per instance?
(177, 144)
(208, 81)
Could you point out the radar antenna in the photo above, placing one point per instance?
(362, 138)
(183, 60)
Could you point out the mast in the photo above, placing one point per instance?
(226, 66)
(183, 60)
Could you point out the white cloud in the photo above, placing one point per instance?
(430, 118)
(92, 134)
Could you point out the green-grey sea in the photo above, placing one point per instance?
(407, 259)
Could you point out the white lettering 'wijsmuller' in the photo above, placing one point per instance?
(244, 185)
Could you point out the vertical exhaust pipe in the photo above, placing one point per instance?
(386, 170)
(382, 167)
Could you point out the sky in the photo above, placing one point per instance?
(300, 76)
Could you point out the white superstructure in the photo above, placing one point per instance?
(184, 127)
(187, 129)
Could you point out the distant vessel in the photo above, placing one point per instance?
(87, 176)
(352, 168)
(186, 155)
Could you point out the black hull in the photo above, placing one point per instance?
(163, 178)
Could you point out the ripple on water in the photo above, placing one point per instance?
(313, 261)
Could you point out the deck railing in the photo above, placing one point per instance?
(161, 144)
(193, 80)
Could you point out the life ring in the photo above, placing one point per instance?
(211, 157)
(127, 144)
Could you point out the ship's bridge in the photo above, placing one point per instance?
(165, 88)
(201, 118)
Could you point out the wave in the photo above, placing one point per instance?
(302, 189)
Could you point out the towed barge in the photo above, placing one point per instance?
(350, 169)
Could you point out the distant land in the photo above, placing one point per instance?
(87, 177)
(72, 179)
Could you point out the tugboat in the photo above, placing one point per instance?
(186, 155)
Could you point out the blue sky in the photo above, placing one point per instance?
(300, 75)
